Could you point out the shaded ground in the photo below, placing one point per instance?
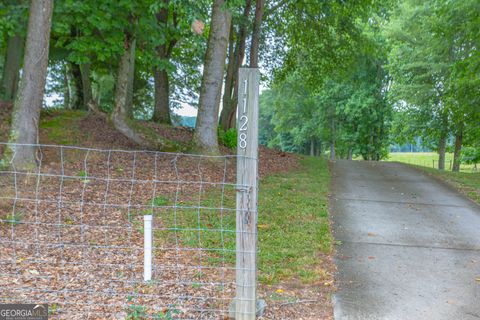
(410, 246)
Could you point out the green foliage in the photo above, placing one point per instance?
(350, 112)
(12, 218)
(470, 155)
(228, 138)
(433, 49)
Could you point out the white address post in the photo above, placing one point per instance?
(247, 188)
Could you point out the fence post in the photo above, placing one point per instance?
(147, 247)
(247, 175)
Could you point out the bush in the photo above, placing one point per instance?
(470, 155)
(228, 138)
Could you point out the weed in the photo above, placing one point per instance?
(228, 138)
(160, 201)
(167, 314)
(135, 312)
(12, 218)
(82, 174)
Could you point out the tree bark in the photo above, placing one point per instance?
(162, 97)
(332, 150)
(255, 45)
(319, 148)
(161, 112)
(26, 111)
(227, 118)
(66, 87)
(76, 88)
(205, 138)
(227, 91)
(350, 153)
(87, 94)
(332, 133)
(11, 71)
(312, 147)
(458, 150)
(122, 112)
(442, 144)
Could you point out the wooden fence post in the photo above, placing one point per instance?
(247, 189)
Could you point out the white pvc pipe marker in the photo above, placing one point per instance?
(147, 248)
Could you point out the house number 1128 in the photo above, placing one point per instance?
(243, 123)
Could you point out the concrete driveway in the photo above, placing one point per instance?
(409, 246)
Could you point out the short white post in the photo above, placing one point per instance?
(147, 248)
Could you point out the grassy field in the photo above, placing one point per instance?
(293, 226)
(426, 159)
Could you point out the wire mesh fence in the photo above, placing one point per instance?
(72, 233)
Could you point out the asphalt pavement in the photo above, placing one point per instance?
(408, 245)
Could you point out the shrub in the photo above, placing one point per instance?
(228, 138)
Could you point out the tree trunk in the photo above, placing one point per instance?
(66, 87)
(205, 137)
(11, 70)
(255, 45)
(312, 147)
(161, 111)
(130, 81)
(442, 143)
(87, 96)
(458, 150)
(227, 118)
(122, 110)
(26, 111)
(319, 149)
(332, 133)
(76, 88)
(227, 91)
(162, 97)
(121, 116)
(350, 153)
(332, 150)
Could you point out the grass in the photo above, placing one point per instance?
(466, 183)
(294, 224)
(293, 227)
(63, 126)
(426, 159)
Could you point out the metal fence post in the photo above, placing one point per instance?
(247, 182)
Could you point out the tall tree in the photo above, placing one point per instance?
(161, 111)
(235, 59)
(256, 33)
(205, 137)
(13, 62)
(122, 112)
(26, 112)
(13, 18)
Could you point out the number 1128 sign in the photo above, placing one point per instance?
(243, 123)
